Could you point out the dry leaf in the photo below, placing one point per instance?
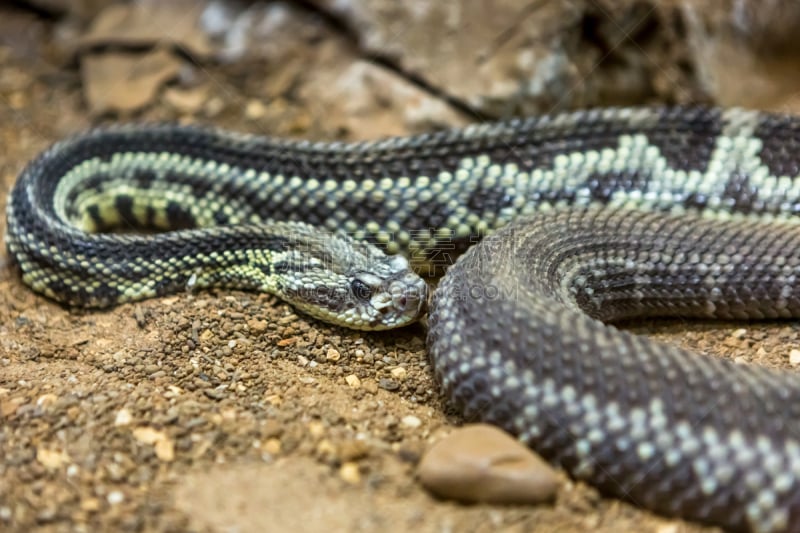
(126, 82)
(150, 23)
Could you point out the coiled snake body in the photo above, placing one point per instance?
(616, 213)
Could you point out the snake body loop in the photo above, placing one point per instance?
(676, 432)
(605, 214)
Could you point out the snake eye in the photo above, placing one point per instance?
(360, 289)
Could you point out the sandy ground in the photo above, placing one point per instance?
(227, 411)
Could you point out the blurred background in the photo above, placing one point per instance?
(363, 68)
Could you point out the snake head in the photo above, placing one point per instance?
(351, 283)
(387, 295)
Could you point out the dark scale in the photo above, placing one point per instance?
(99, 224)
(489, 201)
(739, 195)
(124, 206)
(179, 216)
(144, 178)
(168, 285)
(366, 210)
(603, 185)
(429, 214)
(150, 217)
(780, 141)
(687, 144)
(696, 200)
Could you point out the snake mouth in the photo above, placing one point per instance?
(403, 301)
(412, 302)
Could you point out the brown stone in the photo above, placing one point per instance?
(481, 463)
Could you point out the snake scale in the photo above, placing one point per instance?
(592, 216)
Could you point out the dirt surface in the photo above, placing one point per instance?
(227, 411)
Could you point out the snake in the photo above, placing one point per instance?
(549, 230)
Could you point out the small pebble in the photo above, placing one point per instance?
(388, 384)
(90, 505)
(316, 429)
(254, 109)
(326, 449)
(399, 373)
(186, 101)
(739, 333)
(165, 450)
(115, 497)
(272, 446)
(481, 463)
(272, 428)
(353, 381)
(52, 459)
(287, 341)
(46, 400)
(794, 357)
(274, 400)
(123, 418)
(258, 326)
(214, 106)
(411, 421)
(349, 473)
(353, 450)
(333, 355)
